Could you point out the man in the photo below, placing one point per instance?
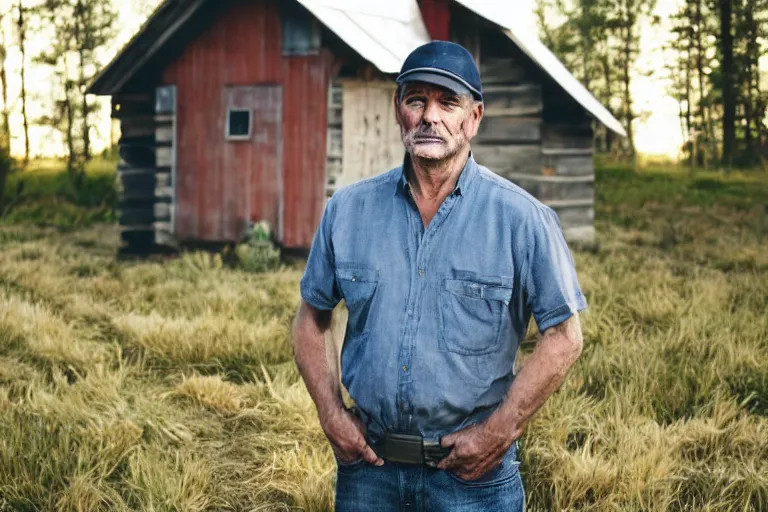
(441, 264)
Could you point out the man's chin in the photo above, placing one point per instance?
(431, 154)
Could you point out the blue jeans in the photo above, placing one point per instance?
(395, 487)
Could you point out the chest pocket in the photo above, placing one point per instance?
(357, 285)
(473, 312)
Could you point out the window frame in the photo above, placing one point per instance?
(227, 124)
(298, 15)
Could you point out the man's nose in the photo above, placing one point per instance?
(431, 112)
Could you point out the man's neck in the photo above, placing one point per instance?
(434, 180)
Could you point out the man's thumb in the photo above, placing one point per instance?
(448, 440)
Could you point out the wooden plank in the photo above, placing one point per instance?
(563, 135)
(335, 117)
(164, 133)
(164, 118)
(567, 151)
(137, 126)
(556, 191)
(511, 158)
(163, 179)
(164, 237)
(335, 143)
(566, 165)
(164, 156)
(164, 192)
(502, 71)
(575, 216)
(163, 211)
(569, 203)
(509, 130)
(564, 180)
(517, 100)
(129, 171)
(131, 109)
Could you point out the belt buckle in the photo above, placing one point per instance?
(404, 448)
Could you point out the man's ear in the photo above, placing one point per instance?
(475, 116)
(396, 104)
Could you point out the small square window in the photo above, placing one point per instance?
(238, 124)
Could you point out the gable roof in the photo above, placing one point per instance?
(502, 13)
(382, 32)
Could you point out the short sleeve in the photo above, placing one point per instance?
(548, 272)
(318, 284)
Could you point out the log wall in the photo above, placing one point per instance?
(146, 170)
(533, 133)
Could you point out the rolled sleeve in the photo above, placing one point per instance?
(549, 273)
(318, 284)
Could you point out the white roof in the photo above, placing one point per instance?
(502, 12)
(384, 33)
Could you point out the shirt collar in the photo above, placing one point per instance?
(467, 173)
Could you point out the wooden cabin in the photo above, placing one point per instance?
(237, 111)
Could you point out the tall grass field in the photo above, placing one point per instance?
(170, 385)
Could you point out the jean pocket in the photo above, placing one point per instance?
(472, 313)
(506, 472)
(348, 466)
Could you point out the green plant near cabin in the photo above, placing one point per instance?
(257, 253)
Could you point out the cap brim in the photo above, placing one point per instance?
(436, 79)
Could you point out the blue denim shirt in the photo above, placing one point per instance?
(436, 315)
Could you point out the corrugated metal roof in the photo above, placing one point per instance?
(384, 33)
(502, 12)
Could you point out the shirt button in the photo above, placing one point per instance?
(405, 368)
(410, 312)
(421, 272)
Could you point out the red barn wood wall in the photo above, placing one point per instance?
(243, 47)
(437, 18)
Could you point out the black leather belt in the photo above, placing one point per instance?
(405, 448)
(408, 449)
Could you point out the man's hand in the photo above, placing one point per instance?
(346, 434)
(476, 450)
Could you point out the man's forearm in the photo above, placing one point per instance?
(310, 354)
(542, 375)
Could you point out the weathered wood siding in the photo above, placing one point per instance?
(334, 141)
(567, 156)
(509, 139)
(371, 142)
(243, 47)
(533, 133)
(136, 171)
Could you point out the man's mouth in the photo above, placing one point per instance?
(427, 139)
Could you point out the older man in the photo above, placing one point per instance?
(441, 263)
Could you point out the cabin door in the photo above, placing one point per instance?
(252, 159)
(371, 137)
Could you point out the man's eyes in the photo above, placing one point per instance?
(418, 100)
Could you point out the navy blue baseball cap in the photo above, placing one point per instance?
(443, 63)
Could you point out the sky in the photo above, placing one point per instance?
(656, 133)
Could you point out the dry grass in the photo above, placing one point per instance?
(170, 387)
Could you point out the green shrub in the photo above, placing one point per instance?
(257, 253)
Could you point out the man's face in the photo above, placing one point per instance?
(436, 123)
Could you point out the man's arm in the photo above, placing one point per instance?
(345, 432)
(479, 448)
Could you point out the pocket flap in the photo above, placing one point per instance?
(476, 290)
(363, 275)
